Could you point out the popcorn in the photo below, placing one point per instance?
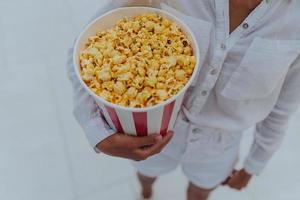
(171, 61)
(132, 92)
(141, 71)
(119, 88)
(140, 62)
(87, 74)
(104, 75)
(118, 59)
(105, 95)
(125, 77)
(180, 75)
(162, 94)
(151, 81)
(143, 96)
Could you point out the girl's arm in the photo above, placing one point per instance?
(270, 132)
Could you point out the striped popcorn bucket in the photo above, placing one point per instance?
(136, 121)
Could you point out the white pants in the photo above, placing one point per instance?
(207, 156)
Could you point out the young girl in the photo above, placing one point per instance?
(250, 76)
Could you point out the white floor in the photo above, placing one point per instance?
(43, 152)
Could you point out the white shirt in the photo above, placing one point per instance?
(249, 77)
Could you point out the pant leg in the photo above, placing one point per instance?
(210, 157)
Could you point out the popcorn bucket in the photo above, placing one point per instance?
(136, 121)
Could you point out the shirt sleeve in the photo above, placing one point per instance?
(270, 132)
(85, 109)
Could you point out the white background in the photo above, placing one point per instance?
(43, 152)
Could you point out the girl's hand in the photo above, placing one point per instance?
(238, 180)
(134, 148)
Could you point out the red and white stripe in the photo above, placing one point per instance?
(157, 120)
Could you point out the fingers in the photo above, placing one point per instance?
(229, 177)
(232, 183)
(138, 142)
(139, 148)
(239, 180)
(226, 181)
(147, 140)
(156, 148)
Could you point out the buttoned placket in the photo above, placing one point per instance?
(220, 52)
(223, 42)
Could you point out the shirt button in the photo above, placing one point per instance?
(194, 140)
(213, 72)
(184, 118)
(223, 46)
(196, 131)
(204, 93)
(245, 25)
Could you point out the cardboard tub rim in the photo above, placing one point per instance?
(130, 109)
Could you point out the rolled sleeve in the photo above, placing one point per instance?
(96, 131)
(253, 166)
(86, 111)
(266, 142)
(270, 132)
